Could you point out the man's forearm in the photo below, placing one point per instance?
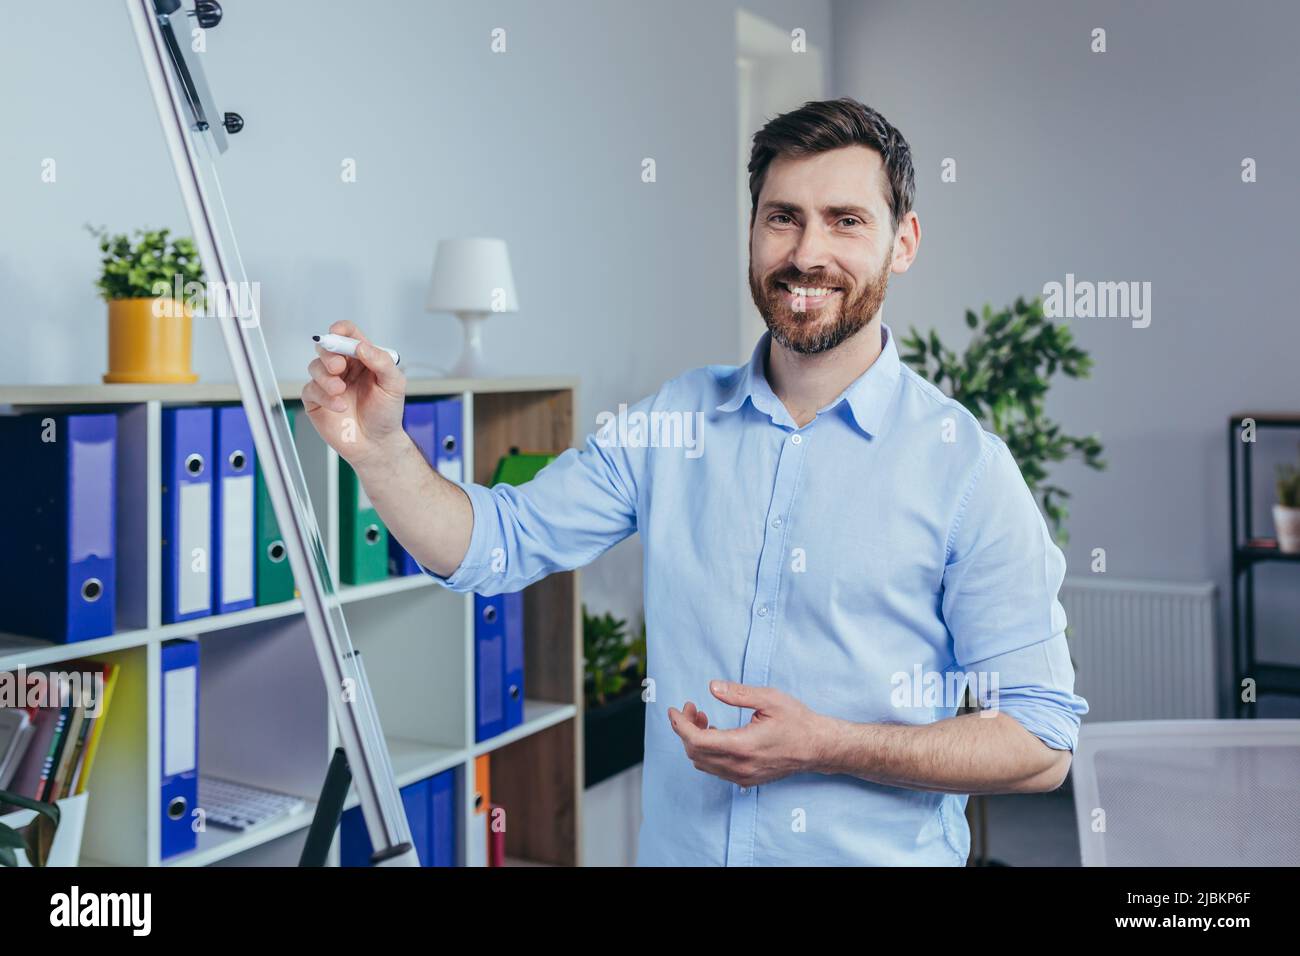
(429, 515)
(966, 754)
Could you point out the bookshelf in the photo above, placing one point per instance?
(264, 717)
(1248, 554)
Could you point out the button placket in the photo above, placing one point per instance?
(762, 635)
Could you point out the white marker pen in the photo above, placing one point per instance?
(342, 345)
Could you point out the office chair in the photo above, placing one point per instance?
(1188, 793)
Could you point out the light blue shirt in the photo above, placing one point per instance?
(858, 563)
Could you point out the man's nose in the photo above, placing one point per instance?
(813, 251)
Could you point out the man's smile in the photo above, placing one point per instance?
(810, 296)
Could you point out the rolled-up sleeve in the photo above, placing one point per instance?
(572, 511)
(1001, 606)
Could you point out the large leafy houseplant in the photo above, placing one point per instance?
(35, 838)
(1002, 378)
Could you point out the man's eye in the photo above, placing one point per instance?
(779, 215)
(849, 219)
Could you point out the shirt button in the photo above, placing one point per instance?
(776, 522)
(797, 438)
(744, 789)
(762, 610)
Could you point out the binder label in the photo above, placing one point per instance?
(92, 532)
(194, 587)
(236, 539)
(180, 718)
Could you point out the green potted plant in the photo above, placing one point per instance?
(1286, 511)
(35, 837)
(1002, 379)
(150, 286)
(614, 713)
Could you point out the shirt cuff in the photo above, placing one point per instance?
(1054, 722)
(1034, 686)
(475, 565)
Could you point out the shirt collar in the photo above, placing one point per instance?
(867, 396)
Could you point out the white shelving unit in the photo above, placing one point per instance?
(264, 717)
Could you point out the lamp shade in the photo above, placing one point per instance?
(471, 275)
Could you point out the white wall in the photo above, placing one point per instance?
(1116, 166)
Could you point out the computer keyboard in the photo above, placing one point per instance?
(239, 807)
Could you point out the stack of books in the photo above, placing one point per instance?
(48, 743)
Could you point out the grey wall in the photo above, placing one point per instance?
(622, 283)
(1123, 165)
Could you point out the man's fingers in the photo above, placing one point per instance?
(745, 695)
(390, 378)
(313, 395)
(704, 739)
(385, 370)
(335, 363)
(348, 328)
(695, 715)
(684, 727)
(329, 384)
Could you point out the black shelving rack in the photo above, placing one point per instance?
(1270, 678)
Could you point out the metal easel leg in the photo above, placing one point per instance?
(190, 119)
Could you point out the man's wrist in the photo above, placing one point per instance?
(840, 745)
(828, 745)
(383, 454)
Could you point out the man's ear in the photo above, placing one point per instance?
(907, 240)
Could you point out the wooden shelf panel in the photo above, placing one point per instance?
(538, 715)
(535, 780)
(530, 421)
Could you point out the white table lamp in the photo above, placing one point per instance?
(472, 280)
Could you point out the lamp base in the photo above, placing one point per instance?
(472, 363)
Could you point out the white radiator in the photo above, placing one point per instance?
(1143, 650)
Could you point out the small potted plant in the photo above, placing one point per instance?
(1286, 512)
(150, 287)
(614, 715)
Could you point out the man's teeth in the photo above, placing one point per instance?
(810, 293)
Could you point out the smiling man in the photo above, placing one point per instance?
(849, 549)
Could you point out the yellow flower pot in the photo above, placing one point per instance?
(149, 341)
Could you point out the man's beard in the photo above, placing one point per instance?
(810, 332)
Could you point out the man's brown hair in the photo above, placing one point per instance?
(818, 126)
